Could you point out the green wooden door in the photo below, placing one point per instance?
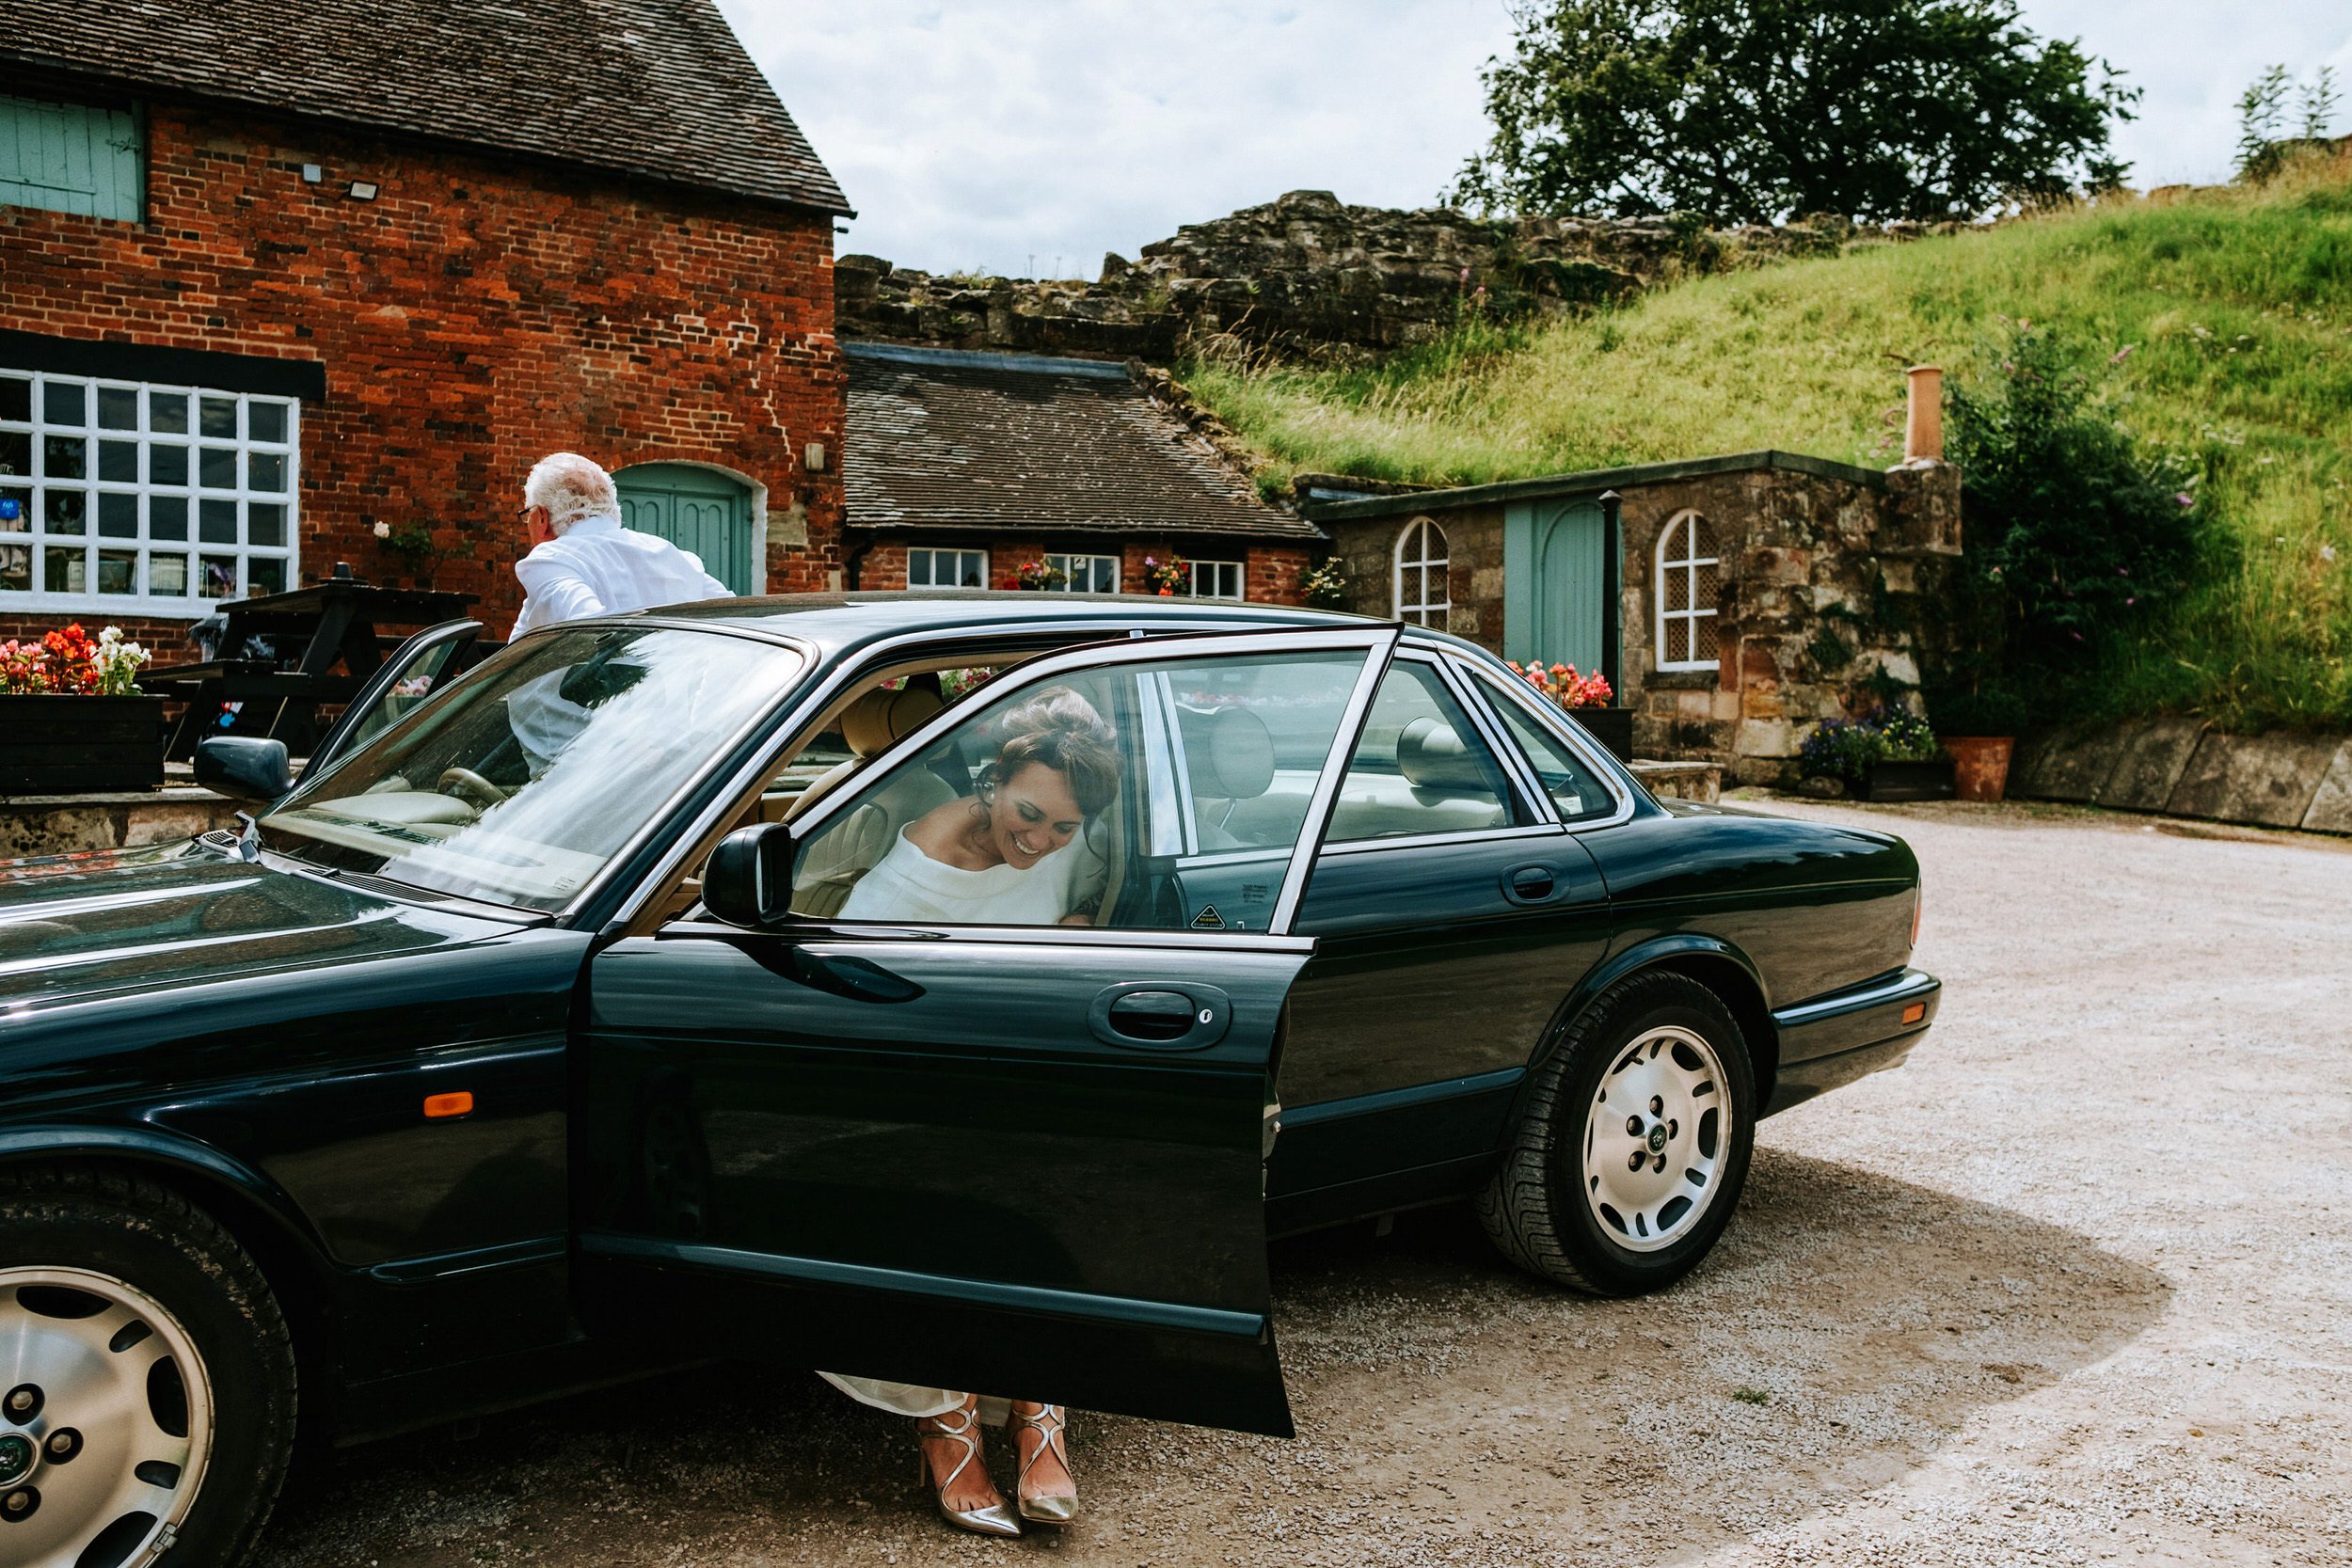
(71, 158)
(696, 509)
(1554, 582)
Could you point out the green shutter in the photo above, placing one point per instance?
(695, 509)
(71, 158)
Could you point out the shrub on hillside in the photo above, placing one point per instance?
(2076, 535)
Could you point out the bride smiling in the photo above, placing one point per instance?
(1003, 856)
(1009, 854)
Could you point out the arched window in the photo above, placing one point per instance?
(1687, 582)
(1422, 595)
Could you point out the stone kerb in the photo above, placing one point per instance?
(2181, 768)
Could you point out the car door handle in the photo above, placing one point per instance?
(1153, 1016)
(1529, 884)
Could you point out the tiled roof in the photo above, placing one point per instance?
(656, 87)
(940, 438)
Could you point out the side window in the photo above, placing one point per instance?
(1421, 767)
(1576, 793)
(1166, 795)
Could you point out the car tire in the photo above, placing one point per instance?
(111, 1282)
(1656, 1070)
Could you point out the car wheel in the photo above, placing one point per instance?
(1629, 1158)
(150, 1398)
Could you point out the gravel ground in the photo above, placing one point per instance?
(2071, 1286)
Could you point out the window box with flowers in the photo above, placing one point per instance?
(73, 719)
(1586, 697)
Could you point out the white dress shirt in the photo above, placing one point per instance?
(597, 567)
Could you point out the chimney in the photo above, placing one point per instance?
(1923, 431)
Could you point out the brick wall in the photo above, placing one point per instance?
(482, 311)
(1270, 571)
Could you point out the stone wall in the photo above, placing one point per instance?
(2183, 767)
(1308, 273)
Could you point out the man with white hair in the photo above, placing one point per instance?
(582, 561)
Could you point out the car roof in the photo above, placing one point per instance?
(838, 624)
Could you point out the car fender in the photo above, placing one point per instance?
(1719, 964)
(208, 1170)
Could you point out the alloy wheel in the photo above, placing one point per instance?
(1655, 1139)
(105, 1421)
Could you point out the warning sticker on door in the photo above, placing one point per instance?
(1208, 919)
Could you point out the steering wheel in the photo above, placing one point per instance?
(470, 787)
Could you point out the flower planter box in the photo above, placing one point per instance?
(1908, 780)
(51, 745)
(1612, 726)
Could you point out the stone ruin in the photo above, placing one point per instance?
(1310, 276)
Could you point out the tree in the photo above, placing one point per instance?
(1752, 110)
(2263, 148)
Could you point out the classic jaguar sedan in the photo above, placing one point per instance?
(607, 1004)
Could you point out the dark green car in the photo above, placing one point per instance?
(601, 1008)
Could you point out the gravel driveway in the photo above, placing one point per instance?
(2070, 1287)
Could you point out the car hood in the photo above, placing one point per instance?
(75, 927)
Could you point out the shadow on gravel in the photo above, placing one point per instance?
(1847, 1327)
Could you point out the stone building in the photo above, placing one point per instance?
(964, 468)
(1730, 600)
(271, 278)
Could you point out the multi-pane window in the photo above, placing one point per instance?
(1423, 596)
(117, 497)
(929, 568)
(1686, 585)
(1087, 574)
(1218, 579)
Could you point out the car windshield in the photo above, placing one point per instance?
(523, 780)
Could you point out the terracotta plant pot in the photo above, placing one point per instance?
(1980, 765)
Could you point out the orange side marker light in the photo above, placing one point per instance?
(1912, 1014)
(458, 1104)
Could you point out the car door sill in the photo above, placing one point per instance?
(1077, 1304)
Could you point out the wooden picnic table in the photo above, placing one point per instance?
(341, 620)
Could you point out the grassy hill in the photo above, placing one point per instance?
(2220, 327)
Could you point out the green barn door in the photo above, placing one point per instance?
(1554, 583)
(695, 509)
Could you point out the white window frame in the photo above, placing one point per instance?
(1209, 577)
(1067, 563)
(1684, 525)
(934, 552)
(1409, 575)
(29, 539)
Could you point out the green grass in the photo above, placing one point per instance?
(2233, 312)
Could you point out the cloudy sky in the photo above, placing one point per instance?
(1029, 136)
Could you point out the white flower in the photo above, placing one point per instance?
(2327, 552)
(383, 531)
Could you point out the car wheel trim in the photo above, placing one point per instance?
(101, 1375)
(1656, 1137)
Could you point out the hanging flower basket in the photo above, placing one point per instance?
(73, 719)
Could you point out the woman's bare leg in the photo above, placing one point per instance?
(1040, 1435)
(973, 1489)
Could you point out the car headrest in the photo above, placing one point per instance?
(1227, 753)
(1432, 757)
(882, 716)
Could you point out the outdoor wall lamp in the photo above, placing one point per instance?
(362, 190)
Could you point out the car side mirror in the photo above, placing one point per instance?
(244, 768)
(748, 880)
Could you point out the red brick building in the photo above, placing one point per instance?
(271, 278)
(965, 467)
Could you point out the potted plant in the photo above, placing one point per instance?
(1036, 576)
(412, 543)
(1324, 586)
(1586, 697)
(1168, 578)
(1890, 756)
(1979, 732)
(73, 719)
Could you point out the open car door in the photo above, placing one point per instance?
(998, 1151)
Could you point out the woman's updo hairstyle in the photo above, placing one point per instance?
(1057, 729)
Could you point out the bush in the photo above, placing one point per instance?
(2076, 536)
(1846, 748)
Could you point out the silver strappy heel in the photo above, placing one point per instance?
(1050, 1424)
(995, 1519)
